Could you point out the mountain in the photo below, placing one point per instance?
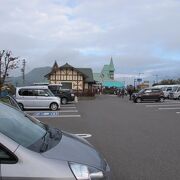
(34, 76)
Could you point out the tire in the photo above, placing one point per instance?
(179, 98)
(64, 100)
(161, 99)
(21, 106)
(54, 106)
(138, 100)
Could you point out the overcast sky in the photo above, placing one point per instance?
(142, 36)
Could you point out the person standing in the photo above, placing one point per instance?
(122, 93)
(130, 92)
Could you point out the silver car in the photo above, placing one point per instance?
(36, 97)
(32, 150)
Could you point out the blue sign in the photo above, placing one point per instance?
(46, 114)
(139, 80)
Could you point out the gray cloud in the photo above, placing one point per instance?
(141, 36)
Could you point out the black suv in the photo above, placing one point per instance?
(149, 94)
(66, 95)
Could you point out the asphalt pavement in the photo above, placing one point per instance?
(139, 141)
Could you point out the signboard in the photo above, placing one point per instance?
(139, 79)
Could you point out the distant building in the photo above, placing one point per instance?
(78, 79)
(106, 77)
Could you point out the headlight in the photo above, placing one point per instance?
(83, 172)
(72, 95)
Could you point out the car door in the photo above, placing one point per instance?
(147, 95)
(43, 100)
(156, 94)
(28, 98)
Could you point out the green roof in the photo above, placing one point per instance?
(111, 65)
(116, 84)
(97, 77)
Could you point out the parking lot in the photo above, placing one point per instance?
(140, 141)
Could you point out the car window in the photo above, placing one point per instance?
(156, 90)
(178, 89)
(26, 92)
(5, 156)
(169, 89)
(174, 88)
(148, 91)
(41, 92)
(17, 126)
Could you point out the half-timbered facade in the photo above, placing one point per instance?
(78, 79)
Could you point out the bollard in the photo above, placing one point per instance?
(76, 99)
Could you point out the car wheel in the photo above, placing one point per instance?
(64, 101)
(138, 100)
(21, 106)
(161, 99)
(179, 98)
(54, 106)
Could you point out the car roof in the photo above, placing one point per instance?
(33, 87)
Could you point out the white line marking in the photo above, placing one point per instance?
(178, 112)
(68, 108)
(162, 105)
(84, 135)
(156, 103)
(70, 105)
(68, 111)
(60, 116)
(169, 108)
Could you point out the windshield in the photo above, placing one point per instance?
(17, 126)
(141, 91)
(164, 88)
(174, 88)
(49, 92)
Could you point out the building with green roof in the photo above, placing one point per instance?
(106, 77)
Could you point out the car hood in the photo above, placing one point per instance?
(75, 149)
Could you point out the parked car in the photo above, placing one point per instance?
(149, 94)
(36, 97)
(166, 90)
(175, 93)
(32, 150)
(66, 95)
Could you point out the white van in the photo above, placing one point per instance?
(37, 97)
(175, 93)
(166, 89)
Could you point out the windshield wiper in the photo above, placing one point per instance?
(44, 145)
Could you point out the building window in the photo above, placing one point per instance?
(66, 85)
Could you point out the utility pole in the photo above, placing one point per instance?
(1, 56)
(23, 70)
(156, 76)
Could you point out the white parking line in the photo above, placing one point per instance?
(60, 116)
(155, 103)
(177, 112)
(175, 108)
(68, 111)
(163, 105)
(68, 108)
(68, 105)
